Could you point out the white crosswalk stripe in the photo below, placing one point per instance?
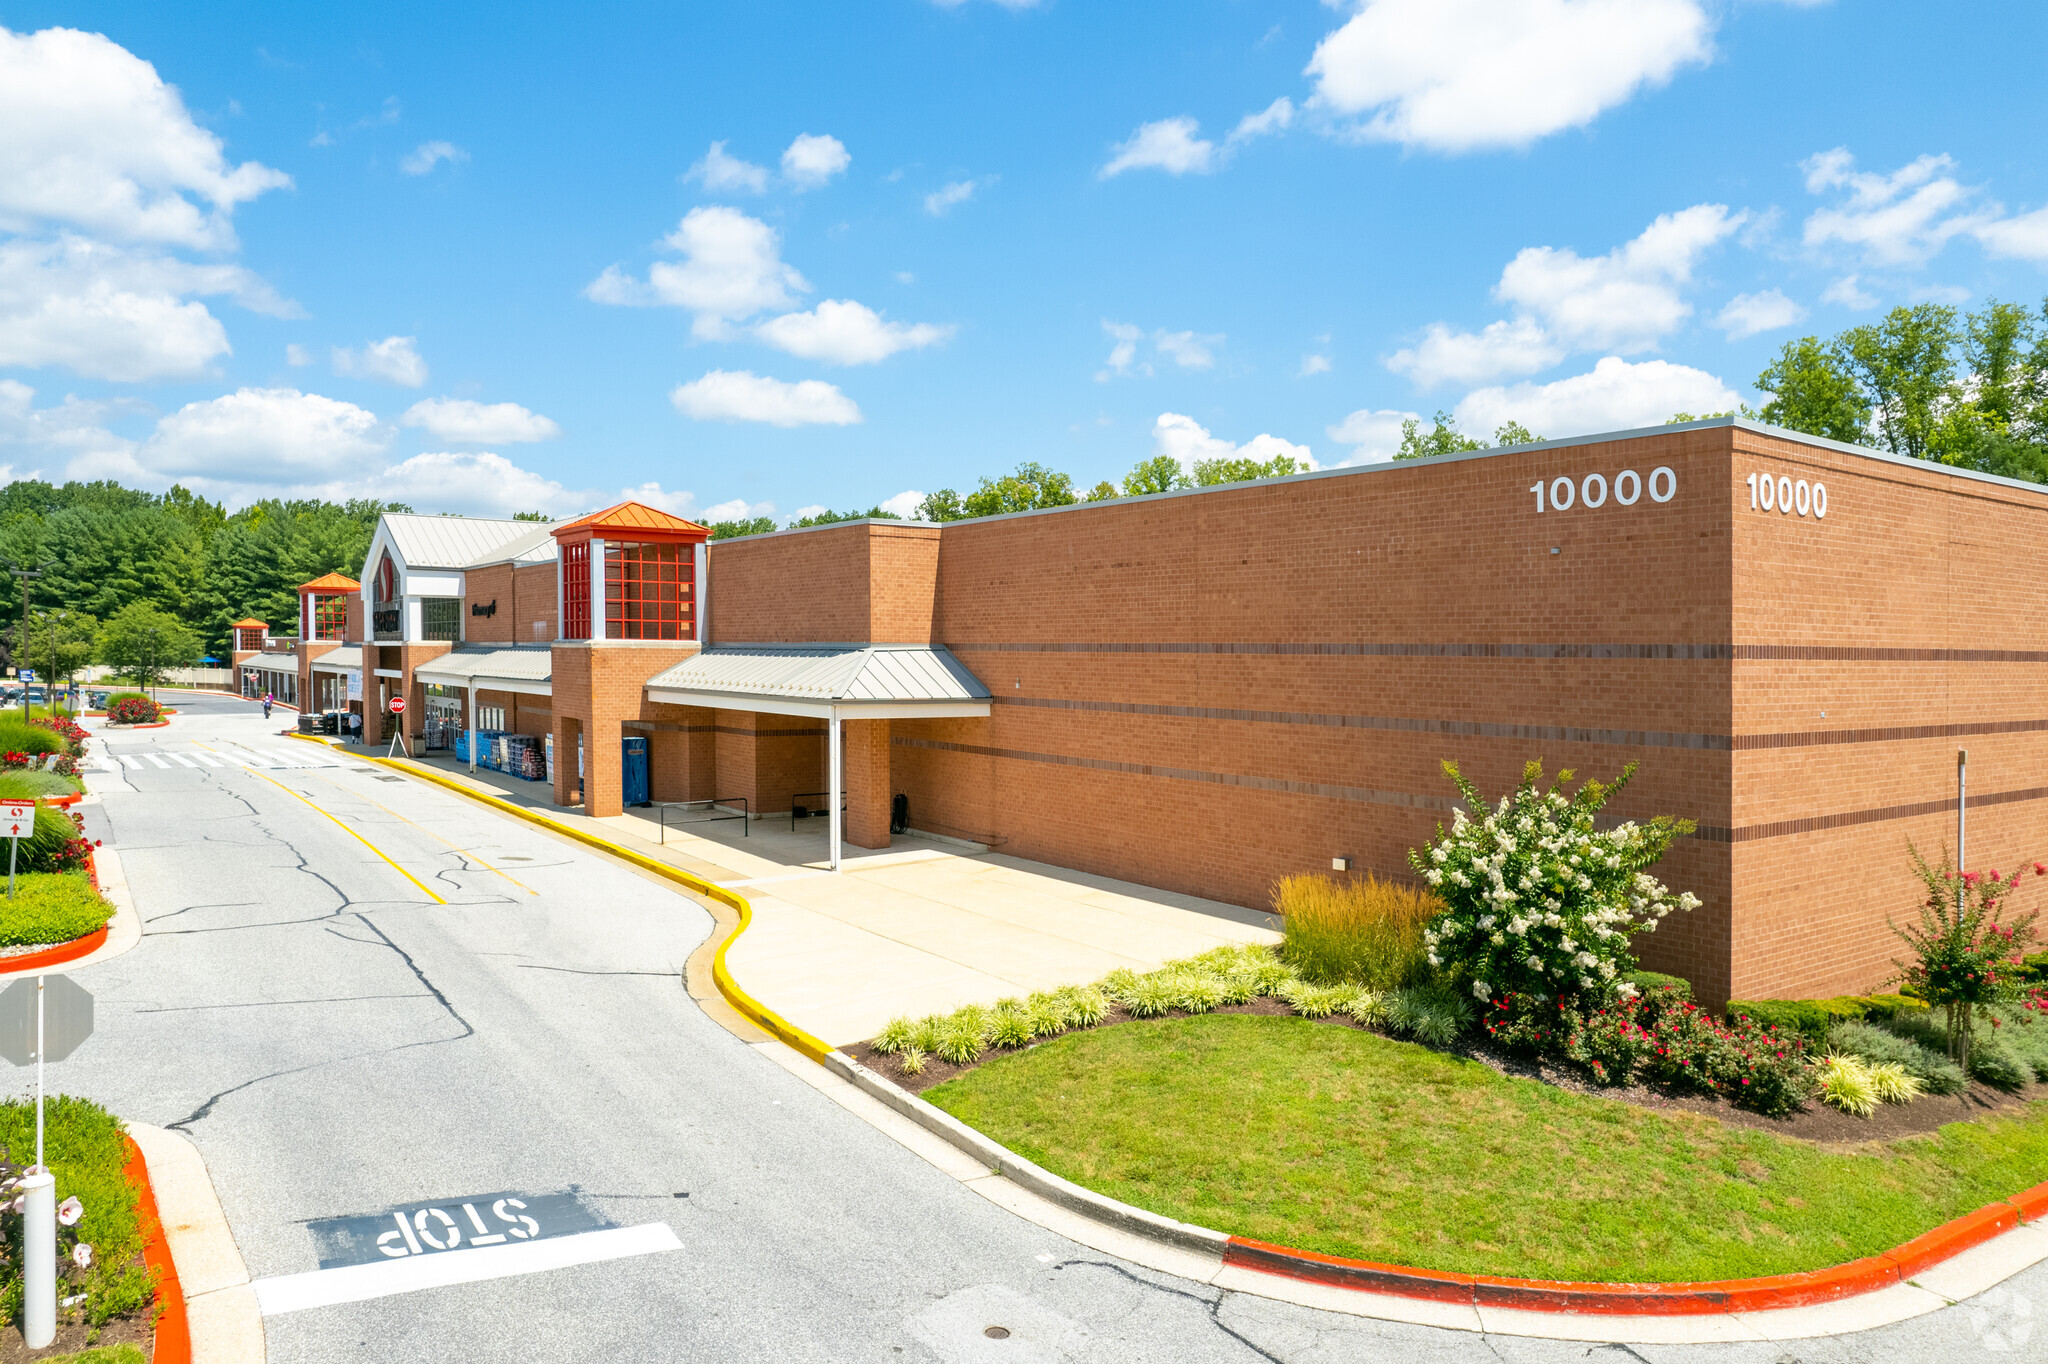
(211, 761)
(182, 760)
(129, 758)
(158, 761)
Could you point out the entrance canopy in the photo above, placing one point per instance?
(520, 670)
(829, 681)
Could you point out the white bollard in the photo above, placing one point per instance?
(39, 1235)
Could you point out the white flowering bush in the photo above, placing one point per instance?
(1537, 900)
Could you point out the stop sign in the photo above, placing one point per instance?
(398, 705)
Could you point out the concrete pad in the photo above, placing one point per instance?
(225, 1323)
(1451, 1316)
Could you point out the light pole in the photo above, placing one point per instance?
(150, 674)
(27, 576)
(50, 686)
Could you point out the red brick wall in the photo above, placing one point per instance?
(490, 588)
(531, 612)
(904, 578)
(845, 584)
(864, 754)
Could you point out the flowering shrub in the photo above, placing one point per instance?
(1660, 1038)
(71, 733)
(1536, 900)
(1966, 957)
(66, 766)
(135, 710)
(12, 761)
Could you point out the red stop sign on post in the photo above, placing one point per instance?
(398, 705)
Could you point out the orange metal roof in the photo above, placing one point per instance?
(251, 624)
(633, 516)
(331, 582)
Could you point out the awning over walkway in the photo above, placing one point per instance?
(346, 660)
(521, 670)
(274, 663)
(837, 681)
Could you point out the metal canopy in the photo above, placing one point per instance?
(511, 669)
(273, 663)
(347, 660)
(846, 681)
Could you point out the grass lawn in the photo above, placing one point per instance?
(83, 1144)
(50, 907)
(1342, 1141)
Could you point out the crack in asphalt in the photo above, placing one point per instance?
(271, 1003)
(1213, 1306)
(233, 904)
(421, 977)
(572, 971)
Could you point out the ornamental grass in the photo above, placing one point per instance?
(1361, 931)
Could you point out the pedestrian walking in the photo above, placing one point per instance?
(266, 705)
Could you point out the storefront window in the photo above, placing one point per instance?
(647, 591)
(441, 618)
(330, 617)
(576, 590)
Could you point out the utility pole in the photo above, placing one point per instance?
(152, 665)
(27, 576)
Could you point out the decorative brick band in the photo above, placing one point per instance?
(1877, 815)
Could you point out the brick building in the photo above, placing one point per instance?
(1206, 690)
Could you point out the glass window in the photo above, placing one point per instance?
(576, 590)
(647, 591)
(441, 618)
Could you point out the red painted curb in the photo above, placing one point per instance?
(155, 724)
(173, 1328)
(53, 956)
(1651, 1299)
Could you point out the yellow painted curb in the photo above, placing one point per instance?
(753, 1008)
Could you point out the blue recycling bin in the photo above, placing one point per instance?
(633, 770)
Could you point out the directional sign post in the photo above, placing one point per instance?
(44, 1019)
(17, 821)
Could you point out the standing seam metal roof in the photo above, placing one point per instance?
(516, 665)
(827, 672)
(448, 541)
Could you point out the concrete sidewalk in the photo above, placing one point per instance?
(922, 927)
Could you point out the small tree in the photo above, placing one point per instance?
(57, 644)
(1537, 900)
(1964, 957)
(142, 642)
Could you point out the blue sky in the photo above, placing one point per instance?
(486, 259)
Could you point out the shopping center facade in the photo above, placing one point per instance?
(1206, 690)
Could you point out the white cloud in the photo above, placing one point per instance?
(738, 509)
(2023, 238)
(395, 360)
(73, 432)
(427, 155)
(1849, 292)
(1187, 440)
(1275, 117)
(905, 503)
(1374, 435)
(94, 137)
(1897, 219)
(1457, 75)
(1313, 364)
(1169, 145)
(1616, 395)
(742, 396)
(842, 332)
(1518, 347)
(473, 423)
(811, 160)
(1749, 314)
(263, 435)
(732, 268)
(905, 277)
(940, 201)
(1626, 299)
(1188, 349)
(475, 484)
(297, 356)
(723, 174)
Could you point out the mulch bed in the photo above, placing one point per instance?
(1817, 1122)
(138, 1329)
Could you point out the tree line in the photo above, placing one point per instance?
(102, 549)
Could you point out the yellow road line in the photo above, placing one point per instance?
(344, 828)
(431, 834)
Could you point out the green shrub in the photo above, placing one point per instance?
(1431, 1014)
(1366, 931)
(18, 736)
(1810, 1017)
(1893, 1085)
(910, 1061)
(1992, 1058)
(1649, 982)
(55, 845)
(114, 698)
(83, 1148)
(29, 783)
(1880, 1046)
(51, 908)
(896, 1034)
(1845, 1082)
(1009, 1028)
(2024, 1034)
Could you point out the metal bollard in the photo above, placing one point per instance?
(39, 1235)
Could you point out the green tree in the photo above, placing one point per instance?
(539, 516)
(1513, 433)
(142, 642)
(1446, 439)
(1102, 492)
(1907, 366)
(727, 530)
(1241, 469)
(833, 518)
(58, 643)
(1159, 474)
(1813, 390)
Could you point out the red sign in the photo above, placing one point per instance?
(398, 705)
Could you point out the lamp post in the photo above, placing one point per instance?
(27, 576)
(50, 685)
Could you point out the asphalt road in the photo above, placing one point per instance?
(339, 1045)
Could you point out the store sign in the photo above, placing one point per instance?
(1787, 495)
(489, 608)
(1562, 494)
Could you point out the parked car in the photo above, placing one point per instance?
(96, 700)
